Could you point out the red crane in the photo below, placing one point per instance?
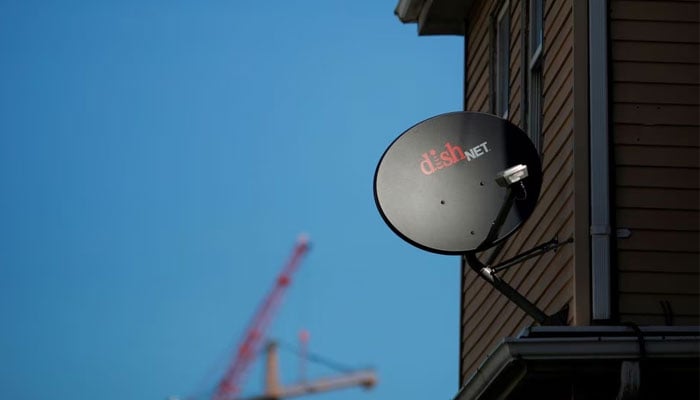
(229, 386)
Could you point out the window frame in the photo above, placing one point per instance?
(533, 61)
(500, 66)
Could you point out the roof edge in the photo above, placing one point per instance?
(408, 10)
(434, 17)
(591, 347)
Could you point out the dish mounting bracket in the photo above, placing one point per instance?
(514, 191)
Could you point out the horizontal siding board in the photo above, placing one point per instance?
(558, 121)
(559, 295)
(556, 142)
(514, 114)
(655, 31)
(662, 198)
(515, 111)
(684, 241)
(558, 65)
(483, 105)
(659, 283)
(645, 93)
(659, 156)
(560, 58)
(479, 75)
(478, 72)
(676, 220)
(685, 53)
(549, 6)
(553, 23)
(480, 50)
(658, 177)
(650, 303)
(515, 28)
(480, 88)
(650, 72)
(652, 135)
(658, 261)
(480, 94)
(655, 11)
(478, 78)
(656, 114)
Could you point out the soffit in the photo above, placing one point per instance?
(435, 17)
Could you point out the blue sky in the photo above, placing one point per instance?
(158, 160)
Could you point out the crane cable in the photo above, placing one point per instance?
(313, 357)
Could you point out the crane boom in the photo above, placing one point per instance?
(366, 379)
(229, 386)
(274, 390)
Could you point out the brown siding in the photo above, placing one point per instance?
(655, 95)
(478, 62)
(547, 281)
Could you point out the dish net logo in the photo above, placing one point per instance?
(433, 160)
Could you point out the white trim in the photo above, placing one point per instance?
(535, 58)
(531, 29)
(504, 12)
(408, 10)
(599, 156)
(535, 72)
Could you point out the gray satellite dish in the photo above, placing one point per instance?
(460, 183)
(441, 183)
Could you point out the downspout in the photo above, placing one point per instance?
(599, 160)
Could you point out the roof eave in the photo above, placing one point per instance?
(434, 17)
(513, 354)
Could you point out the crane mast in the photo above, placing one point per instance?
(229, 386)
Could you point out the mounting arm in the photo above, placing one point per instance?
(508, 179)
(488, 274)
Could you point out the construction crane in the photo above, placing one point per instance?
(275, 391)
(229, 386)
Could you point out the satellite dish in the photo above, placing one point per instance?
(458, 182)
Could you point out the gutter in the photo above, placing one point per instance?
(574, 344)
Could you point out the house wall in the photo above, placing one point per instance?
(655, 90)
(488, 316)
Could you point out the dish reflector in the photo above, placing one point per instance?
(442, 183)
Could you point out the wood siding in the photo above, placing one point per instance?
(547, 281)
(655, 94)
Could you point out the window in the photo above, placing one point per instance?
(534, 72)
(502, 62)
